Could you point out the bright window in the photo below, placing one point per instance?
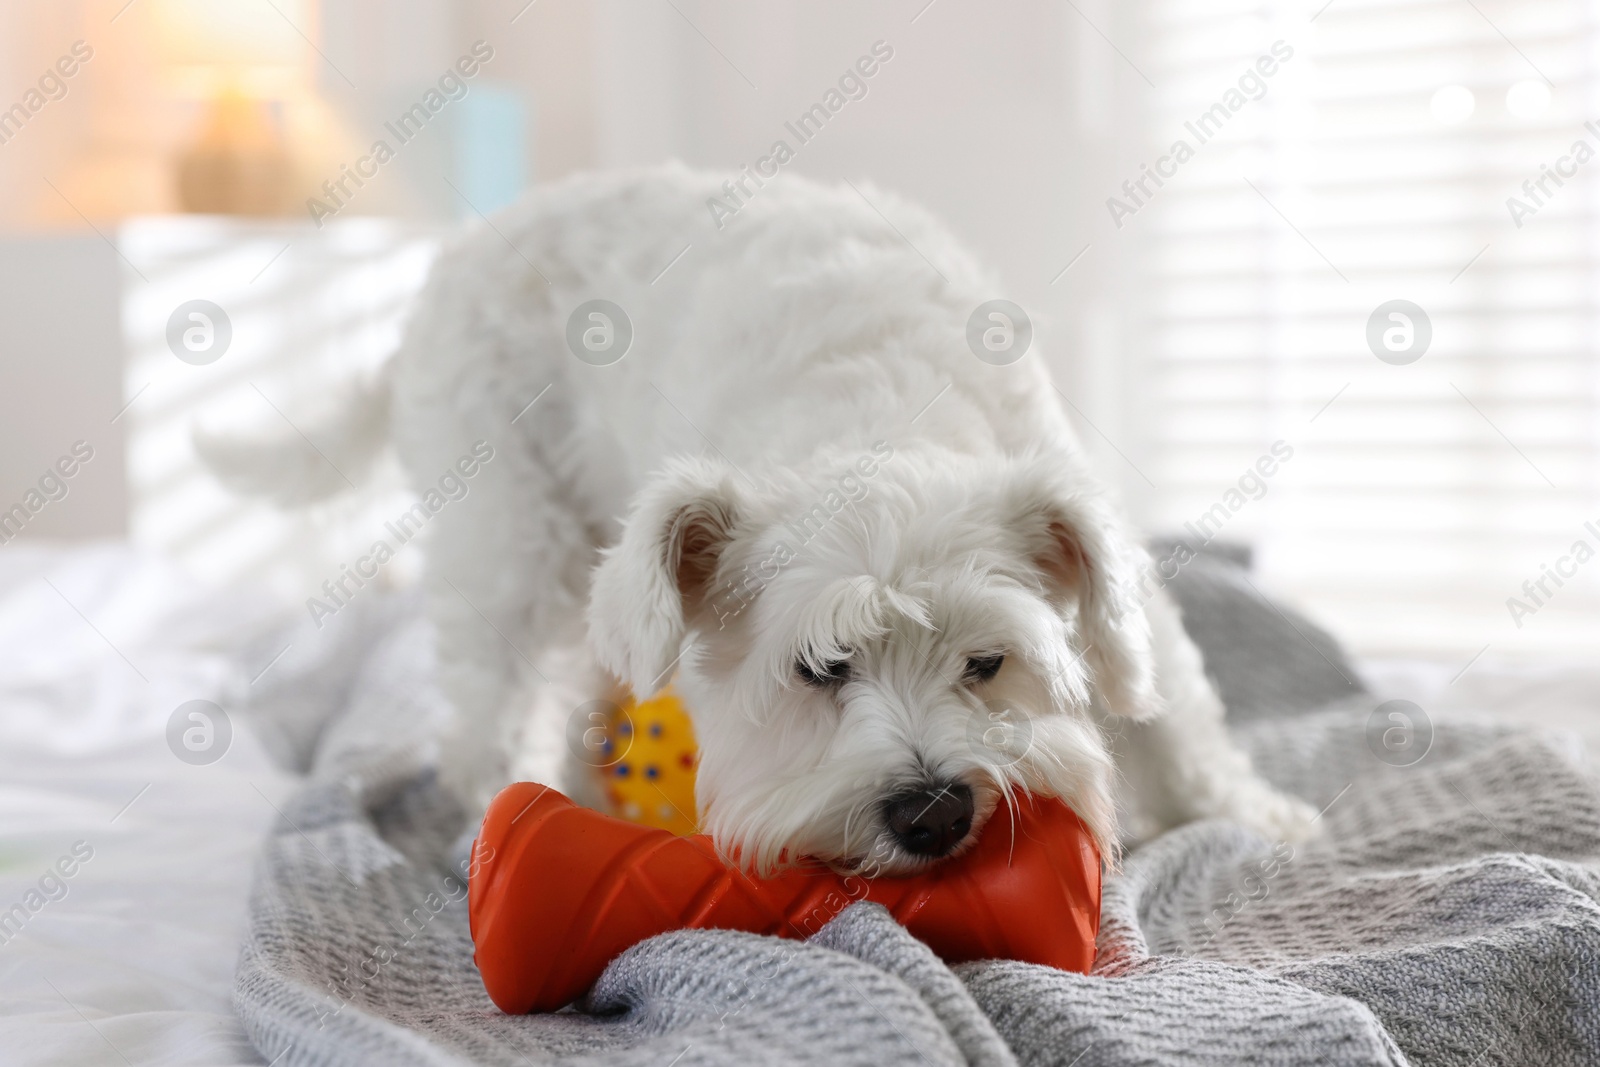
(1375, 166)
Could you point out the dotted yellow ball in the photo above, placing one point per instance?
(651, 756)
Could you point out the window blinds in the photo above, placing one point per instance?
(1432, 505)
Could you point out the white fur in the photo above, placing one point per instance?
(768, 363)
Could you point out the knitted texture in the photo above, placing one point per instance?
(1447, 913)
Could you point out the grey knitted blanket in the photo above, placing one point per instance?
(1447, 914)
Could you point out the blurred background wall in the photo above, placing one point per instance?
(1202, 310)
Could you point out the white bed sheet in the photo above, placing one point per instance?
(1560, 698)
(135, 962)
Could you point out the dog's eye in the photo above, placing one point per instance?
(982, 668)
(830, 674)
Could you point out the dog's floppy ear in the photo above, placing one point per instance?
(655, 577)
(1081, 550)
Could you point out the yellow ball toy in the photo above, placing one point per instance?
(650, 755)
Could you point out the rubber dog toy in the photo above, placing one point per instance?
(646, 762)
(557, 891)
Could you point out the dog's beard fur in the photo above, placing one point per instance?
(937, 563)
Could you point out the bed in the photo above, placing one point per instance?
(214, 910)
(133, 958)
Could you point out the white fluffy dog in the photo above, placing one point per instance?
(875, 565)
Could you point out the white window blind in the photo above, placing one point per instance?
(1419, 497)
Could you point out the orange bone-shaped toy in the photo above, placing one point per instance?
(557, 891)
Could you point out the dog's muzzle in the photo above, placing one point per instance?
(930, 822)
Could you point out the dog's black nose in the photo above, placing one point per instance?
(930, 822)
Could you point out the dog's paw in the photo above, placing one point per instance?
(1274, 815)
(1140, 828)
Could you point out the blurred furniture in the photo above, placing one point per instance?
(309, 310)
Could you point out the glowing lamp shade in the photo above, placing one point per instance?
(232, 33)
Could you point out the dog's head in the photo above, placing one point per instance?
(878, 657)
